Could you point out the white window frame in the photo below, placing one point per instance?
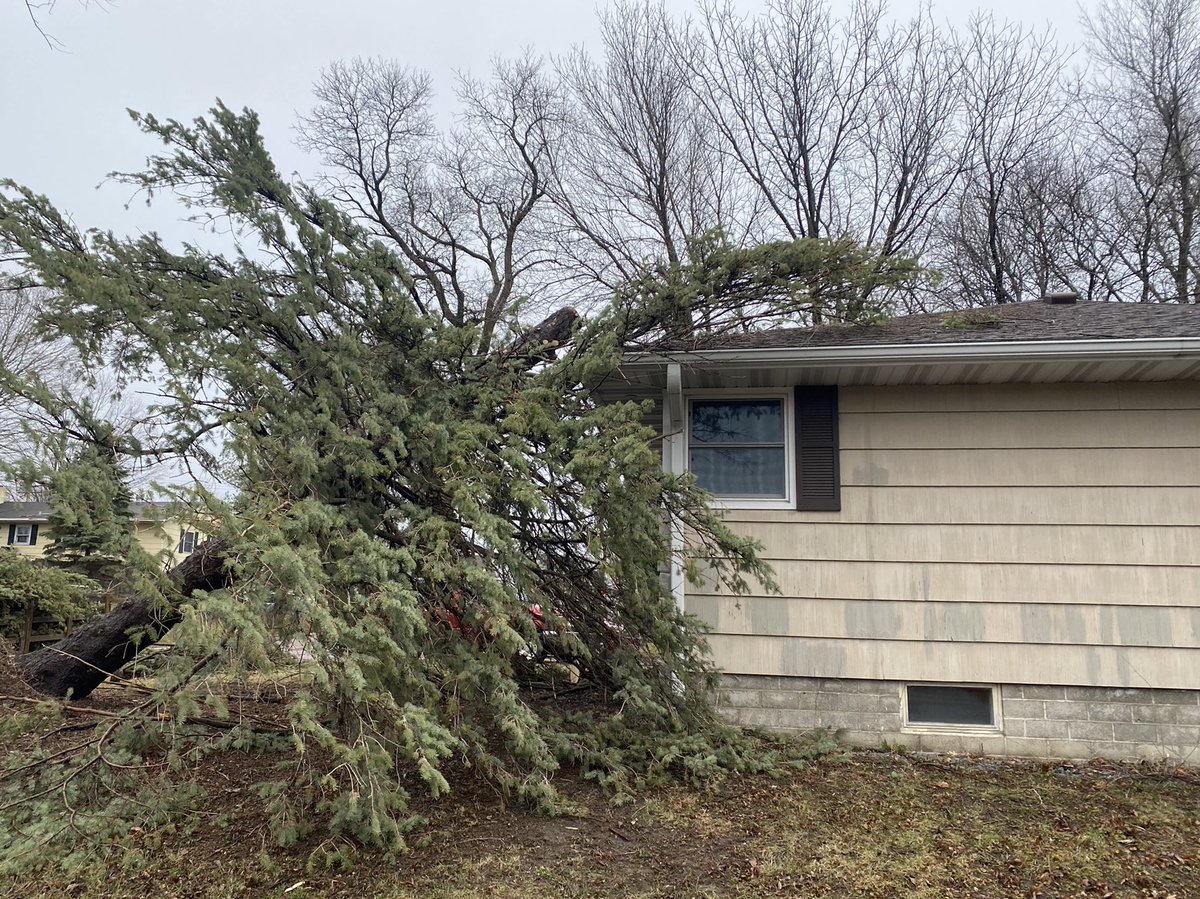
(788, 500)
(183, 542)
(28, 535)
(928, 727)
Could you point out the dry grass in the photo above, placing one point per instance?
(868, 825)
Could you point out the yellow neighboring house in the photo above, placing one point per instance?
(25, 527)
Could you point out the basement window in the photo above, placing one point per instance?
(950, 706)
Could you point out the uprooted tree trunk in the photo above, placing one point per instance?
(82, 661)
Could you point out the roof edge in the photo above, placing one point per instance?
(866, 355)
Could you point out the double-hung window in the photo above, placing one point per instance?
(22, 534)
(738, 448)
(187, 542)
(767, 450)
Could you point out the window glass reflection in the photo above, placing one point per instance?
(737, 421)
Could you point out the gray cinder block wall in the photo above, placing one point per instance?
(1035, 721)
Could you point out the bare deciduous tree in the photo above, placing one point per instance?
(790, 94)
(913, 151)
(25, 352)
(969, 149)
(1013, 108)
(642, 177)
(38, 10)
(846, 126)
(34, 366)
(1144, 100)
(457, 206)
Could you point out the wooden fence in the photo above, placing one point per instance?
(37, 630)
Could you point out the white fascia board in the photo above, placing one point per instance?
(931, 353)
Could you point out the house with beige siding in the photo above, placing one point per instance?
(984, 525)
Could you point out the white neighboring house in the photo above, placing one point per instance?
(985, 525)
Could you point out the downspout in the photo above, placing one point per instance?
(675, 462)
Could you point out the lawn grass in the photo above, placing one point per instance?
(859, 825)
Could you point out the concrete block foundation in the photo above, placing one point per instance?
(1037, 721)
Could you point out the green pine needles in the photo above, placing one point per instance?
(424, 532)
(27, 583)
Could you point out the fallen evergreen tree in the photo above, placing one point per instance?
(426, 524)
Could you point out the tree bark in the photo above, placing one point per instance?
(542, 342)
(79, 663)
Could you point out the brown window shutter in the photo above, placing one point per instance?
(818, 477)
(33, 535)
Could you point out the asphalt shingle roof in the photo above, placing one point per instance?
(1030, 321)
(37, 511)
(10, 511)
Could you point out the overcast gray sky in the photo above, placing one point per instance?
(63, 124)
